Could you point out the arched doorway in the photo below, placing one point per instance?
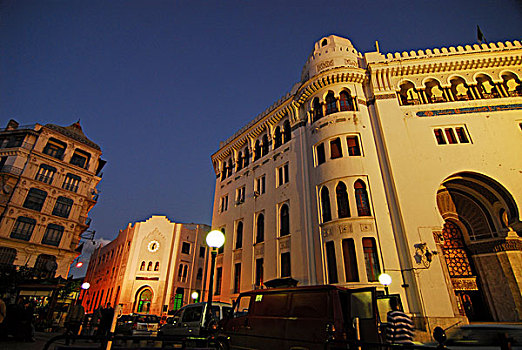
(479, 216)
(143, 300)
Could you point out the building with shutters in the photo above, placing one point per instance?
(405, 163)
(153, 266)
(48, 179)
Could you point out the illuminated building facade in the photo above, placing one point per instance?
(152, 267)
(48, 179)
(404, 163)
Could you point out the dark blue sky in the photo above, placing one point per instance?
(157, 84)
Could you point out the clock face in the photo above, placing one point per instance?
(153, 246)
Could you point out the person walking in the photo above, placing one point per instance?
(74, 319)
(399, 329)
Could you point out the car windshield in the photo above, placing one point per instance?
(473, 336)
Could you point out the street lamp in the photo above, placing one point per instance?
(194, 296)
(385, 280)
(215, 240)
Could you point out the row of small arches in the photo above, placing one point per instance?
(459, 89)
(281, 135)
(343, 205)
(332, 104)
(149, 266)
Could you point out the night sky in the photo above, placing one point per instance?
(158, 84)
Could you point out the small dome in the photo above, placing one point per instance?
(330, 52)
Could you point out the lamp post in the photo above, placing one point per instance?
(215, 239)
(385, 280)
(194, 296)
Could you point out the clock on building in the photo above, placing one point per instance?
(153, 246)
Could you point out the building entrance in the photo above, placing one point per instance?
(144, 300)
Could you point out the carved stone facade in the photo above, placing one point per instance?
(48, 179)
(152, 266)
(386, 159)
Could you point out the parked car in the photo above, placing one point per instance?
(300, 318)
(483, 336)
(137, 324)
(191, 319)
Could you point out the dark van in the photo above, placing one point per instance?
(303, 318)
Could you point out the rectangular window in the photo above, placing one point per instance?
(462, 135)
(23, 228)
(71, 182)
(450, 135)
(53, 235)
(320, 154)
(331, 262)
(282, 175)
(221, 249)
(237, 278)
(219, 276)
(240, 195)
(55, 148)
(371, 259)
(259, 273)
(286, 270)
(350, 261)
(45, 174)
(35, 199)
(224, 203)
(259, 186)
(336, 150)
(63, 207)
(439, 136)
(353, 146)
(185, 248)
(80, 158)
(201, 252)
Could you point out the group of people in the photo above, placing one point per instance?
(17, 320)
(99, 324)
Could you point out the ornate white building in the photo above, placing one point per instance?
(405, 163)
(152, 266)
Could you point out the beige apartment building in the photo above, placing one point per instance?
(153, 267)
(48, 179)
(405, 163)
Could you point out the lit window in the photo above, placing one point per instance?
(71, 182)
(35, 199)
(45, 173)
(23, 228)
(371, 259)
(335, 148)
(361, 197)
(320, 153)
(53, 235)
(282, 175)
(353, 146)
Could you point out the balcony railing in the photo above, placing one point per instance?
(10, 169)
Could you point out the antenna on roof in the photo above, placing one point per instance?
(480, 36)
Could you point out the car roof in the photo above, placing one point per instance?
(492, 326)
(214, 303)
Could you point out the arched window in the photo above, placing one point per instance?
(260, 228)
(434, 91)
(373, 269)
(287, 131)
(361, 197)
(512, 84)
(343, 207)
(185, 272)
(156, 267)
(142, 266)
(224, 170)
(180, 272)
(325, 204)
(460, 89)
(229, 167)
(487, 87)
(239, 162)
(317, 109)
(408, 94)
(345, 101)
(264, 149)
(284, 217)
(149, 266)
(257, 150)
(278, 138)
(331, 103)
(246, 159)
(239, 235)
